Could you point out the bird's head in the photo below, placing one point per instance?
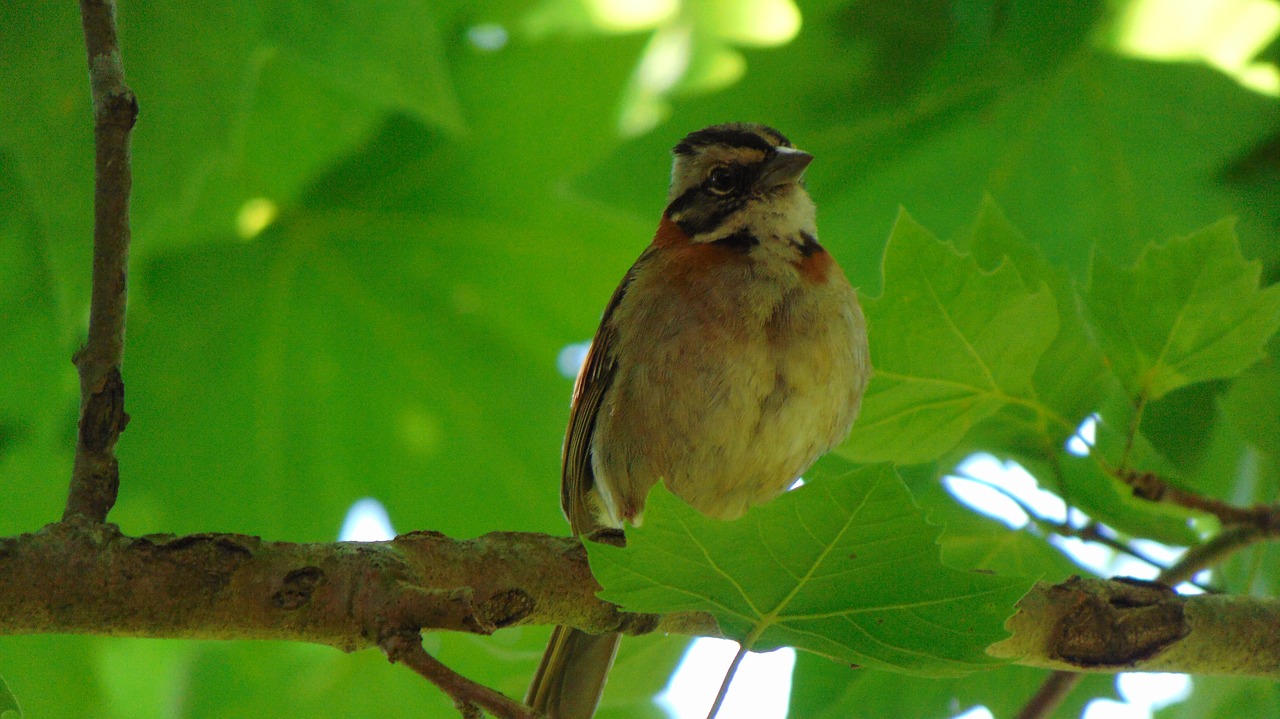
(739, 183)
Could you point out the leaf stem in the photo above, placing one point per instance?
(728, 679)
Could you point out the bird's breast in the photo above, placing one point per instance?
(731, 380)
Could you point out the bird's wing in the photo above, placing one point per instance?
(577, 476)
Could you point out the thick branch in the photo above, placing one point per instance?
(95, 476)
(1095, 625)
(87, 578)
(1059, 684)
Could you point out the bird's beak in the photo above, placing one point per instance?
(786, 165)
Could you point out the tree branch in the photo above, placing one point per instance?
(1095, 625)
(1151, 487)
(95, 477)
(1058, 685)
(85, 578)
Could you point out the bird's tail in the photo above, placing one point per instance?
(571, 676)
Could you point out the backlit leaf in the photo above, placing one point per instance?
(951, 345)
(1188, 311)
(845, 566)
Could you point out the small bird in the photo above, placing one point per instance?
(732, 355)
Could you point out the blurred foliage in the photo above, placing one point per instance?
(363, 234)
(8, 702)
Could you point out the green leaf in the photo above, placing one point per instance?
(1071, 377)
(846, 567)
(377, 367)
(1087, 482)
(973, 541)
(8, 702)
(825, 690)
(392, 52)
(951, 345)
(1188, 311)
(1253, 404)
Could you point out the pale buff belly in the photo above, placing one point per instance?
(729, 414)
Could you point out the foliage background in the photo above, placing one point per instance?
(450, 217)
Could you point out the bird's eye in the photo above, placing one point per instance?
(722, 180)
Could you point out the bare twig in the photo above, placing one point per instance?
(1096, 532)
(95, 477)
(470, 697)
(1210, 553)
(1090, 532)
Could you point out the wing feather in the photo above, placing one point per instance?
(577, 477)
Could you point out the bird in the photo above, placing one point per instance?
(731, 356)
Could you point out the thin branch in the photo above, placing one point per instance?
(1094, 532)
(1210, 553)
(468, 696)
(1091, 532)
(95, 476)
(1151, 487)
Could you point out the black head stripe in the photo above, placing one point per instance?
(781, 139)
(741, 241)
(808, 245)
(682, 202)
(732, 135)
(695, 224)
(701, 210)
(698, 214)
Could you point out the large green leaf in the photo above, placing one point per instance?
(845, 567)
(1188, 311)
(951, 345)
(274, 349)
(1071, 377)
